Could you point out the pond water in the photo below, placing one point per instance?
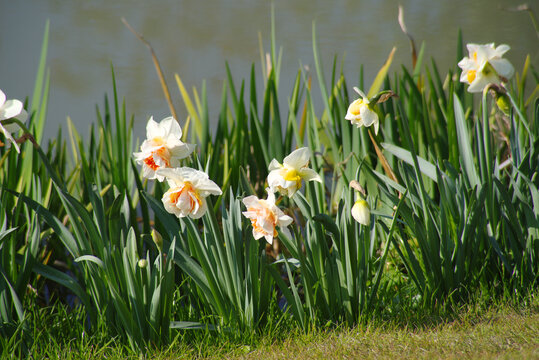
(195, 38)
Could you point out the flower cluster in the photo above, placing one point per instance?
(11, 109)
(160, 157)
(285, 178)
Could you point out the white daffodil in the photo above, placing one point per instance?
(188, 191)
(484, 65)
(286, 177)
(8, 110)
(162, 147)
(360, 112)
(265, 216)
(361, 212)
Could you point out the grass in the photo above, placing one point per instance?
(507, 335)
(477, 330)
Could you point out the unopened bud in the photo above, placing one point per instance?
(503, 103)
(362, 212)
(157, 239)
(142, 263)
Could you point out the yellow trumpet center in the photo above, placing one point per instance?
(292, 175)
(471, 75)
(355, 107)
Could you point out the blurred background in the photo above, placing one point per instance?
(195, 38)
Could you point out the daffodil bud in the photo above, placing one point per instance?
(157, 239)
(362, 212)
(503, 103)
(142, 263)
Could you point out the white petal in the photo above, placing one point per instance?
(284, 220)
(208, 187)
(2, 98)
(269, 239)
(480, 82)
(171, 127)
(309, 174)
(368, 116)
(502, 49)
(275, 179)
(274, 165)
(181, 151)
(200, 211)
(250, 202)
(152, 129)
(503, 67)
(10, 109)
(298, 158)
(150, 174)
(271, 196)
(361, 93)
(350, 116)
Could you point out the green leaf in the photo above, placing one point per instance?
(426, 167)
(90, 258)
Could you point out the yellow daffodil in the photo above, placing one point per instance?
(362, 212)
(360, 112)
(162, 147)
(188, 191)
(484, 66)
(286, 178)
(11, 109)
(265, 216)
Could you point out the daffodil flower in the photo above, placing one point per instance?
(361, 212)
(286, 177)
(188, 191)
(360, 112)
(162, 147)
(8, 110)
(484, 66)
(265, 216)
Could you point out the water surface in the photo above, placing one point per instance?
(195, 38)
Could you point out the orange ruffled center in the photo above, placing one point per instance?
(162, 153)
(192, 194)
(263, 213)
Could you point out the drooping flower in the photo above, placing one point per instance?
(8, 110)
(361, 212)
(360, 112)
(188, 191)
(286, 177)
(484, 65)
(265, 216)
(162, 147)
